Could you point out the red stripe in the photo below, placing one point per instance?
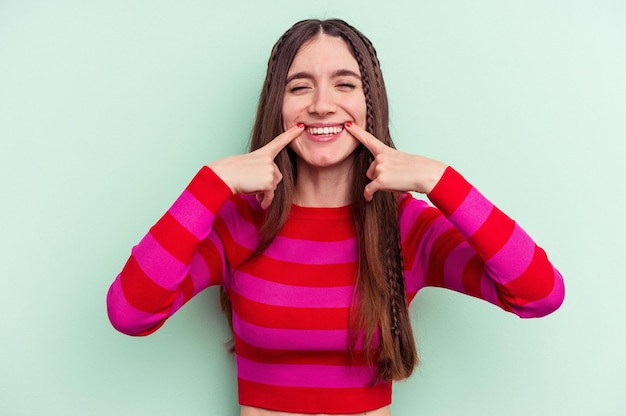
(445, 243)
(174, 238)
(279, 317)
(213, 259)
(415, 235)
(186, 287)
(493, 234)
(142, 292)
(536, 282)
(450, 191)
(472, 275)
(314, 400)
(248, 213)
(322, 275)
(209, 189)
(237, 254)
(337, 229)
(278, 356)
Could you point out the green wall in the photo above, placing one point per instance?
(108, 108)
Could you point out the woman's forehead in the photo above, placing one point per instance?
(324, 52)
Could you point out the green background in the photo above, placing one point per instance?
(107, 109)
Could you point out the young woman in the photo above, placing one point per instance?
(317, 243)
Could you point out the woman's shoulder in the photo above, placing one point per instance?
(416, 214)
(242, 207)
(408, 203)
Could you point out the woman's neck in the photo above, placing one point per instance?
(323, 187)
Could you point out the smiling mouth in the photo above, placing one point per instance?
(324, 131)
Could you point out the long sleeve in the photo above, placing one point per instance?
(468, 245)
(180, 256)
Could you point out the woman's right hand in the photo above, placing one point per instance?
(256, 172)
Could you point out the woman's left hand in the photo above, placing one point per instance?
(395, 171)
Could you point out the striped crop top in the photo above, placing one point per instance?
(290, 304)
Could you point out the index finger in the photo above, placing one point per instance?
(366, 138)
(283, 139)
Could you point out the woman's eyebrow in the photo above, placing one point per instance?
(337, 73)
(299, 75)
(346, 73)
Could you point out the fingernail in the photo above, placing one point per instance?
(348, 124)
(300, 125)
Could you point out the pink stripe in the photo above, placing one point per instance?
(409, 216)
(199, 273)
(416, 276)
(192, 215)
(158, 263)
(253, 204)
(290, 339)
(312, 252)
(415, 279)
(277, 294)
(488, 289)
(514, 258)
(472, 213)
(302, 375)
(547, 305)
(124, 317)
(177, 304)
(455, 265)
(199, 270)
(239, 228)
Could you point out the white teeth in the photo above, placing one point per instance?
(325, 130)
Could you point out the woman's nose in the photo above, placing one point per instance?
(322, 103)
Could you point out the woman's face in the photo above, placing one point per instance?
(323, 91)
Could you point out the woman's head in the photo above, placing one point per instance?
(324, 91)
(270, 121)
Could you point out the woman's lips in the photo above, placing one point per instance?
(323, 133)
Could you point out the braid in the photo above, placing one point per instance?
(367, 91)
(272, 61)
(366, 82)
(400, 360)
(395, 264)
(377, 82)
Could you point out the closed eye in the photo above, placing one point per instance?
(347, 85)
(296, 89)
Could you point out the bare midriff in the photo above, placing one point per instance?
(255, 411)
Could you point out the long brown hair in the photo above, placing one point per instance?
(380, 303)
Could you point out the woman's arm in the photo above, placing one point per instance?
(468, 245)
(180, 256)
(182, 253)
